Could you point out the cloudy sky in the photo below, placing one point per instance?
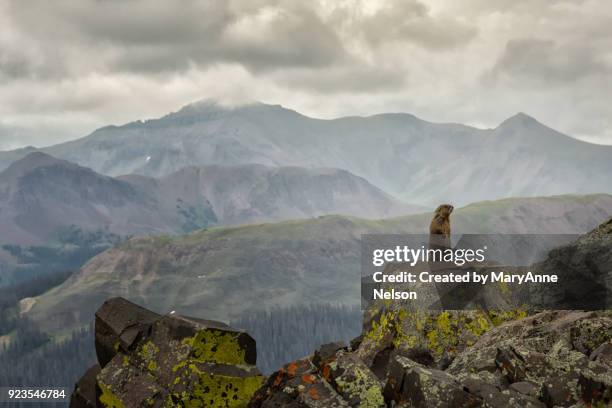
(70, 66)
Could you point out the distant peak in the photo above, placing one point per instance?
(33, 161)
(520, 119)
(38, 157)
(214, 107)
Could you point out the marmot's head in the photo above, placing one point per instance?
(444, 210)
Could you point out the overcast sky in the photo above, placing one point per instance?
(70, 66)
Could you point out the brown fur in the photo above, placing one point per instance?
(439, 228)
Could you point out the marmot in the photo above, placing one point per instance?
(439, 229)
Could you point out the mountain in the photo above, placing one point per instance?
(42, 199)
(241, 194)
(227, 271)
(412, 159)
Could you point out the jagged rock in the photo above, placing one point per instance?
(333, 377)
(297, 384)
(397, 370)
(603, 354)
(560, 390)
(86, 391)
(494, 396)
(525, 388)
(166, 361)
(425, 387)
(118, 324)
(511, 364)
(587, 335)
(327, 353)
(353, 380)
(356, 342)
(595, 384)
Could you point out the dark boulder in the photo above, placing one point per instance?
(149, 360)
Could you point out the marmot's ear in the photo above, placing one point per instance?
(438, 209)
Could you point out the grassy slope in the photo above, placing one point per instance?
(222, 272)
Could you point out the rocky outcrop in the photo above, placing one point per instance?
(403, 358)
(477, 358)
(149, 360)
(549, 359)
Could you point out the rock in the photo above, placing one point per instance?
(496, 397)
(356, 342)
(589, 334)
(86, 391)
(333, 376)
(595, 385)
(413, 385)
(380, 363)
(560, 390)
(118, 325)
(397, 370)
(525, 388)
(169, 360)
(511, 364)
(298, 384)
(327, 353)
(603, 355)
(353, 380)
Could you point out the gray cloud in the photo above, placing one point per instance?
(67, 67)
(149, 37)
(411, 21)
(545, 60)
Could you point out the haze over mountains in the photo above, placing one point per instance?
(409, 158)
(41, 197)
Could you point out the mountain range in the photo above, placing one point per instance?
(412, 159)
(42, 197)
(226, 271)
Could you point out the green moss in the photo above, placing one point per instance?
(108, 398)
(212, 346)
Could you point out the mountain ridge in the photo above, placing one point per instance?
(40, 194)
(405, 156)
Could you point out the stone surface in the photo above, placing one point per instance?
(86, 390)
(166, 361)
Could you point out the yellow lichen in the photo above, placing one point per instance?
(360, 386)
(108, 398)
(148, 353)
(211, 390)
(211, 346)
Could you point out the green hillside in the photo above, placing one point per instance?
(223, 272)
